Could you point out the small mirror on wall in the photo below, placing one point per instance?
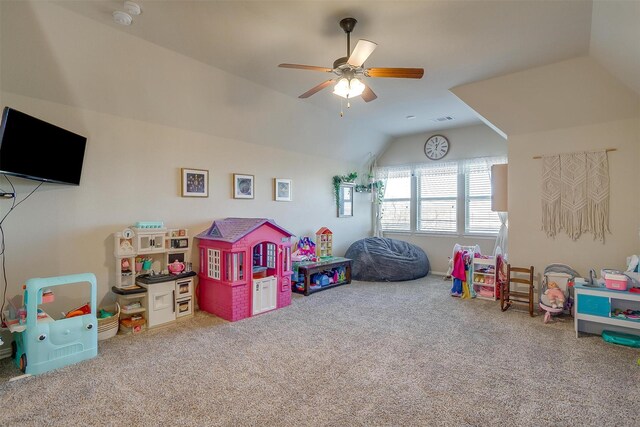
(345, 200)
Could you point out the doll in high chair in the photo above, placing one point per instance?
(555, 294)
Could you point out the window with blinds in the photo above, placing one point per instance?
(437, 189)
(478, 215)
(396, 206)
(431, 205)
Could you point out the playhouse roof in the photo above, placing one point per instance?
(324, 230)
(233, 229)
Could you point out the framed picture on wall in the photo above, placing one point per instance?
(195, 182)
(282, 190)
(243, 186)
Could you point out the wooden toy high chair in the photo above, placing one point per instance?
(517, 275)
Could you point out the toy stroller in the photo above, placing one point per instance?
(555, 292)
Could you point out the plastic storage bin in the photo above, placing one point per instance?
(616, 282)
(621, 338)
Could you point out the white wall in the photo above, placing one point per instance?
(132, 173)
(528, 244)
(615, 31)
(465, 143)
(573, 105)
(147, 112)
(57, 55)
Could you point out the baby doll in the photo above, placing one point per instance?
(555, 294)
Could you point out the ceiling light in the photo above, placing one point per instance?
(122, 18)
(349, 88)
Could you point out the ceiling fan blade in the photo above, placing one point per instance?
(306, 67)
(403, 73)
(315, 89)
(361, 52)
(368, 95)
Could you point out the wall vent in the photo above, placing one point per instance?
(443, 119)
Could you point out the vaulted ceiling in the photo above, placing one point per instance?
(456, 42)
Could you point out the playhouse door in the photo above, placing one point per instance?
(264, 294)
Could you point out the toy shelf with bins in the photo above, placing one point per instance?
(307, 271)
(484, 278)
(126, 299)
(594, 307)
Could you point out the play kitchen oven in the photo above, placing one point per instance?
(169, 297)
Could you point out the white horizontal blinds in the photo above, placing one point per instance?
(478, 215)
(396, 206)
(437, 198)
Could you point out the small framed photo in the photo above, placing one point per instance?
(282, 190)
(195, 183)
(243, 186)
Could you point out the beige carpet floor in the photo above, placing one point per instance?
(362, 354)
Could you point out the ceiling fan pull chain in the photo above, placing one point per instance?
(341, 112)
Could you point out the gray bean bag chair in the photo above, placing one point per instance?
(379, 259)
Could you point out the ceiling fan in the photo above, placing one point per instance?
(349, 69)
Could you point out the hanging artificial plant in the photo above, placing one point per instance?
(338, 180)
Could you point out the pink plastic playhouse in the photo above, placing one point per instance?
(245, 267)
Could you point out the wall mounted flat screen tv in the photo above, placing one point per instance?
(32, 148)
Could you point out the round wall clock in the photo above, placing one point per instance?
(436, 147)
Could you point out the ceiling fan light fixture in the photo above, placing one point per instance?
(356, 88)
(349, 88)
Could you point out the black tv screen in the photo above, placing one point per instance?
(32, 148)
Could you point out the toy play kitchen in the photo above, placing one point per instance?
(161, 287)
(609, 306)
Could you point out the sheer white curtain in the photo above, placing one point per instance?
(500, 246)
(503, 234)
(485, 163)
(383, 175)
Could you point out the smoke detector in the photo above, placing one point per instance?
(122, 18)
(132, 8)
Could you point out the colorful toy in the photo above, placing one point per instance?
(245, 267)
(324, 242)
(557, 278)
(555, 294)
(176, 267)
(42, 343)
(306, 250)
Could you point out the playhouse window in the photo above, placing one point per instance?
(257, 255)
(271, 255)
(214, 263)
(235, 267)
(286, 259)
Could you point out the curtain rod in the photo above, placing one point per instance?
(592, 151)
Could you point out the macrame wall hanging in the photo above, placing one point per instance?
(575, 194)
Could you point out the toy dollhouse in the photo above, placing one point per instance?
(245, 267)
(324, 242)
